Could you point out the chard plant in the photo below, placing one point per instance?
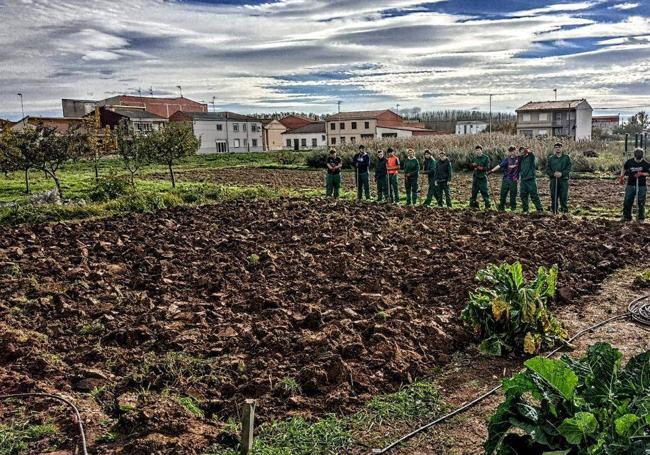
(568, 407)
(508, 314)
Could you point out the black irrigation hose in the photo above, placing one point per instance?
(84, 449)
(639, 312)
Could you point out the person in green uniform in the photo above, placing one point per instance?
(333, 179)
(411, 176)
(510, 169)
(558, 169)
(480, 165)
(443, 177)
(381, 176)
(361, 163)
(637, 170)
(528, 180)
(430, 171)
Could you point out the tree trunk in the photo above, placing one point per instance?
(132, 178)
(58, 185)
(27, 191)
(96, 172)
(171, 174)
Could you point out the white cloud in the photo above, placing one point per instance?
(625, 6)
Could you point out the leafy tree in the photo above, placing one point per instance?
(54, 150)
(101, 141)
(131, 149)
(171, 143)
(638, 123)
(20, 152)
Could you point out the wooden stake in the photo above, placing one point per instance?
(247, 427)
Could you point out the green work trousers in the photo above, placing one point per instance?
(508, 188)
(393, 188)
(411, 186)
(631, 193)
(432, 191)
(527, 190)
(443, 188)
(559, 192)
(363, 186)
(479, 185)
(332, 185)
(382, 187)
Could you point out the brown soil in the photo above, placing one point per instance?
(473, 374)
(587, 194)
(223, 302)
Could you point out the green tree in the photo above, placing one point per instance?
(171, 143)
(638, 123)
(19, 152)
(131, 149)
(101, 141)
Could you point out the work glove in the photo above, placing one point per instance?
(621, 180)
(639, 174)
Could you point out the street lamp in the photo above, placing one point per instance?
(22, 107)
(180, 89)
(213, 107)
(491, 113)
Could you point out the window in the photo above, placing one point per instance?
(354, 125)
(221, 146)
(558, 116)
(314, 142)
(333, 141)
(366, 125)
(542, 132)
(245, 142)
(323, 138)
(219, 127)
(254, 128)
(288, 142)
(254, 142)
(332, 126)
(235, 126)
(527, 133)
(303, 142)
(353, 139)
(543, 117)
(244, 126)
(236, 143)
(342, 140)
(341, 126)
(526, 118)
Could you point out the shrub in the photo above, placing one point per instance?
(109, 187)
(509, 314)
(568, 406)
(317, 160)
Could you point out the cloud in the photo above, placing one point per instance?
(307, 54)
(625, 6)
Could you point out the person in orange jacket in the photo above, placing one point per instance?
(392, 166)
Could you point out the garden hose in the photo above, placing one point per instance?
(84, 449)
(638, 310)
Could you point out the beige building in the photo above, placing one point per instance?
(356, 127)
(272, 137)
(570, 119)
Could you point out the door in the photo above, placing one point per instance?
(296, 144)
(221, 146)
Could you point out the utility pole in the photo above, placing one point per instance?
(213, 107)
(22, 107)
(397, 108)
(180, 89)
(555, 91)
(339, 125)
(491, 113)
(140, 93)
(151, 91)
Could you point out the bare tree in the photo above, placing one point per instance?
(171, 143)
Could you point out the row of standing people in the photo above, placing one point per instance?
(518, 178)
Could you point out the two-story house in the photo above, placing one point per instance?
(356, 127)
(570, 119)
(307, 137)
(222, 132)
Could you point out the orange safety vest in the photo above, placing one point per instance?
(392, 165)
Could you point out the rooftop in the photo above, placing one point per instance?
(137, 113)
(225, 115)
(470, 122)
(358, 115)
(551, 105)
(314, 127)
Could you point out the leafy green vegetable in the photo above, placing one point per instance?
(575, 406)
(507, 313)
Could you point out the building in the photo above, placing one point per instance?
(356, 127)
(470, 127)
(222, 132)
(606, 123)
(272, 134)
(162, 107)
(60, 124)
(137, 119)
(306, 137)
(570, 119)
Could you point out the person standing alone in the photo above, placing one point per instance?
(636, 169)
(558, 170)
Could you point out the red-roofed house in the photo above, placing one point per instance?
(162, 107)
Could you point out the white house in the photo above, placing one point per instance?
(571, 118)
(222, 132)
(306, 137)
(470, 127)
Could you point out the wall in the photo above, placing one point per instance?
(321, 140)
(583, 123)
(273, 139)
(400, 133)
(207, 131)
(350, 135)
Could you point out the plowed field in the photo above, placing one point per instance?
(133, 315)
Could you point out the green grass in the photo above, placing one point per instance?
(16, 439)
(191, 406)
(338, 434)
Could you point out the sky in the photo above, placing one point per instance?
(305, 55)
